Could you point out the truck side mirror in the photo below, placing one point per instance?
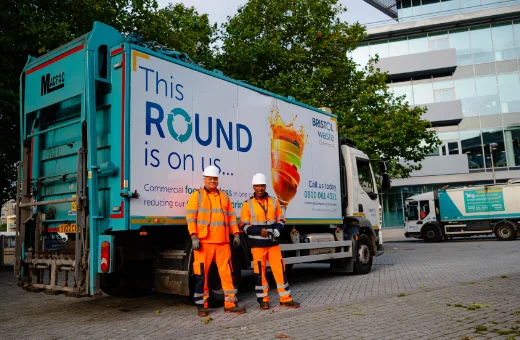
(383, 167)
(385, 183)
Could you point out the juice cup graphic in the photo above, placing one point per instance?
(287, 146)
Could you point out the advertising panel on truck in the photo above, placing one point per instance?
(183, 119)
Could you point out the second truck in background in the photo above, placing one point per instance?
(467, 211)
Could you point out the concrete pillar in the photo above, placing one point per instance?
(510, 151)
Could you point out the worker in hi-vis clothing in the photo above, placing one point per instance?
(262, 219)
(211, 218)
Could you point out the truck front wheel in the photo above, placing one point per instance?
(364, 257)
(505, 231)
(431, 234)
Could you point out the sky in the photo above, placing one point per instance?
(218, 10)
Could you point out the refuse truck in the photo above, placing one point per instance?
(467, 211)
(115, 134)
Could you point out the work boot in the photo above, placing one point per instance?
(290, 304)
(236, 309)
(202, 312)
(264, 305)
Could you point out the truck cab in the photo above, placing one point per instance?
(419, 210)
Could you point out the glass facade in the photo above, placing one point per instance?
(408, 10)
(473, 45)
(486, 82)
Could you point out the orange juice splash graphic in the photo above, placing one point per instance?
(287, 146)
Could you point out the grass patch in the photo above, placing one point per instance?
(481, 328)
(504, 277)
(401, 294)
(460, 305)
(514, 328)
(504, 332)
(358, 313)
(448, 304)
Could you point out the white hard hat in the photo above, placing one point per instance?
(259, 179)
(211, 171)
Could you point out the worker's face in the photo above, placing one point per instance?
(259, 189)
(211, 182)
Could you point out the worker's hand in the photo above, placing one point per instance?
(195, 243)
(264, 233)
(236, 241)
(276, 233)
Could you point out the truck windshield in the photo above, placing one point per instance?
(412, 211)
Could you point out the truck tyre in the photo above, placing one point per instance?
(505, 231)
(364, 257)
(431, 234)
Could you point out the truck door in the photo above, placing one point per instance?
(366, 191)
(412, 217)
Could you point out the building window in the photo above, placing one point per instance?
(481, 45)
(450, 143)
(443, 91)
(512, 143)
(503, 41)
(398, 47)
(470, 3)
(516, 30)
(361, 54)
(487, 92)
(380, 48)
(509, 87)
(444, 95)
(423, 93)
(499, 153)
(438, 44)
(418, 44)
(471, 145)
(403, 90)
(450, 5)
(460, 40)
(431, 6)
(406, 9)
(466, 93)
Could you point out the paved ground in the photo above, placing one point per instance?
(447, 290)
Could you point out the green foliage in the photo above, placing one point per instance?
(301, 49)
(3, 227)
(33, 28)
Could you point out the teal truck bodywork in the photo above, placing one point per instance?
(77, 152)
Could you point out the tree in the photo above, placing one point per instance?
(301, 49)
(183, 29)
(36, 27)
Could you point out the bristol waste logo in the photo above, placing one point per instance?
(179, 125)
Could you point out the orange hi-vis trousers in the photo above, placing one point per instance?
(202, 259)
(274, 256)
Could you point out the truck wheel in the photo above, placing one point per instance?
(431, 234)
(505, 232)
(364, 257)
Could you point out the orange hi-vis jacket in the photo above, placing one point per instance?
(210, 216)
(258, 214)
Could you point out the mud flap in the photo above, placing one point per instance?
(173, 271)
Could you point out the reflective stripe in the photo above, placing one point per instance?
(283, 286)
(245, 222)
(261, 295)
(288, 292)
(203, 222)
(191, 211)
(252, 210)
(191, 220)
(232, 223)
(258, 237)
(217, 224)
(216, 211)
(230, 299)
(234, 291)
(246, 227)
(262, 287)
(268, 222)
(198, 295)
